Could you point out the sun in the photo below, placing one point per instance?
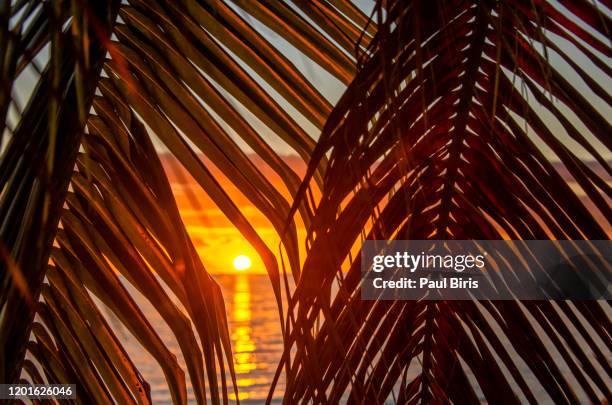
(242, 262)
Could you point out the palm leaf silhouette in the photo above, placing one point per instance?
(115, 75)
(437, 138)
(438, 135)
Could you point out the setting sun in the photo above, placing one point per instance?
(242, 262)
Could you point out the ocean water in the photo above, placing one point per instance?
(254, 332)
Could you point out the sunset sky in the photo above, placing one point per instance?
(217, 241)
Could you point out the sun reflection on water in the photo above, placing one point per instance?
(244, 346)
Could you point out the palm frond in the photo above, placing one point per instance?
(191, 74)
(120, 220)
(39, 156)
(465, 112)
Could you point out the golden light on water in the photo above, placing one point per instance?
(242, 262)
(244, 346)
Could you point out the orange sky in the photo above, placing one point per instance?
(215, 238)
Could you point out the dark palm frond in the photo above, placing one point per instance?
(122, 218)
(189, 74)
(38, 158)
(455, 128)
